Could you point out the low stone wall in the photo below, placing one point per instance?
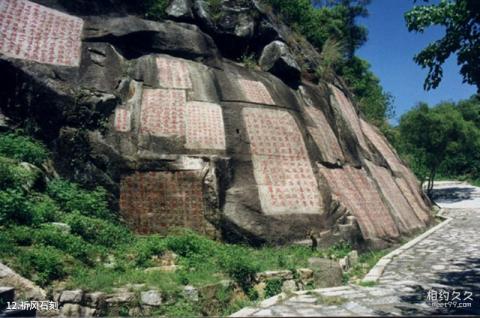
(140, 300)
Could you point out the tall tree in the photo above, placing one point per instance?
(461, 20)
(439, 140)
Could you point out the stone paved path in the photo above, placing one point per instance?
(447, 262)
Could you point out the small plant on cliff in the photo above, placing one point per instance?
(215, 7)
(249, 61)
(331, 56)
(155, 9)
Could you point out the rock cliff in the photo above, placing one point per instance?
(162, 115)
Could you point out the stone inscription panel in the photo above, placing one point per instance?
(324, 136)
(122, 120)
(353, 188)
(394, 196)
(33, 32)
(173, 73)
(381, 146)
(378, 212)
(152, 202)
(282, 169)
(409, 195)
(349, 114)
(205, 128)
(346, 193)
(163, 112)
(256, 92)
(414, 186)
(410, 192)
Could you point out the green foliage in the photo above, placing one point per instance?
(338, 250)
(18, 207)
(181, 309)
(215, 7)
(73, 245)
(331, 27)
(240, 267)
(44, 208)
(249, 61)
(14, 208)
(148, 247)
(71, 198)
(15, 176)
(98, 231)
(440, 140)
(43, 264)
(331, 20)
(154, 9)
(20, 235)
(187, 243)
(460, 18)
(366, 261)
(331, 58)
(367, 283)
(374, 102)
(274, 287)
(22, 148)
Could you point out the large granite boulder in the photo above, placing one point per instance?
(181, 135)
(277, 59)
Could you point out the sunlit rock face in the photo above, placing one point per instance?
(182, 136)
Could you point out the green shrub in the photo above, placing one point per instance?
(20, 235)
(215, 8)
(22, 148)
(18, 208)
(187, 244)
(44, 208)
(42, 264)
(240, 267)
(14, 176)
(146, 248)
(98, 231)
(181, 309)
(15, 208)
(274, 287)
(339, 250)
(70, 244)
(8, 247)
(70, 197)
(155, 9)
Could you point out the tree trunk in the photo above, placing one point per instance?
(431, 179)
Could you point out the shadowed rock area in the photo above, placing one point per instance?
(161, 115)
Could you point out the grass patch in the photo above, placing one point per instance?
(370, 283)
(365, 262)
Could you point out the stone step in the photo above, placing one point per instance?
(7, 294)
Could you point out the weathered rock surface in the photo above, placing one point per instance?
(26, 289)
(181, 135)
(151, 298)
(71, 296)
(326, 272)
(180, 9)
(277, 59)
